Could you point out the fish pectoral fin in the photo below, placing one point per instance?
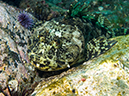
(98, 46)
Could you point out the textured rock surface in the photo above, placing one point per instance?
(107, 75)
(8, 49)
(13, 40)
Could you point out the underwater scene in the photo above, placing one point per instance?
(64, 47)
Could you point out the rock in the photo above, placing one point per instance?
(13, 73)
(107, 74)
(1, 94)
(13, 85)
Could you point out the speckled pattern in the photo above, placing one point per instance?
(105, 75)
(55, 46)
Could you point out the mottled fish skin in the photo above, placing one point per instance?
(98, 46)
(56, 46)
(103, 22)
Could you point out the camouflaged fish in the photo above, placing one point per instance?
(56, 45)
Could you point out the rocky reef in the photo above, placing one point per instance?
(92, 62)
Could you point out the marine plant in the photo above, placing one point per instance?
(113, 18)
(82, 10)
